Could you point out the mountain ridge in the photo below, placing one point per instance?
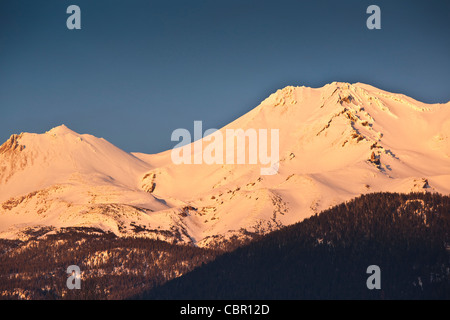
(336, 142)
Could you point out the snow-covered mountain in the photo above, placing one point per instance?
(335, 143)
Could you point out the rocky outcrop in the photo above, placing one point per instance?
(11, 158)
(12, 144)
(149, 183)
(421, 184)
(375, 159)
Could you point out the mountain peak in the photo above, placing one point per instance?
(334, 143)
(61, 130)
(291, 95)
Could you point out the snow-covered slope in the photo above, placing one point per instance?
(64, 179)
(335, 143)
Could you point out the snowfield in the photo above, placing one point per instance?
(335, 142)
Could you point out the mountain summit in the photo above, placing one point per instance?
(335, 143)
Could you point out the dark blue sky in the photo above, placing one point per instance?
(140, 69)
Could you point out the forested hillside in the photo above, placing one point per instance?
(327, 255)
(111, 267)
(323, 257)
